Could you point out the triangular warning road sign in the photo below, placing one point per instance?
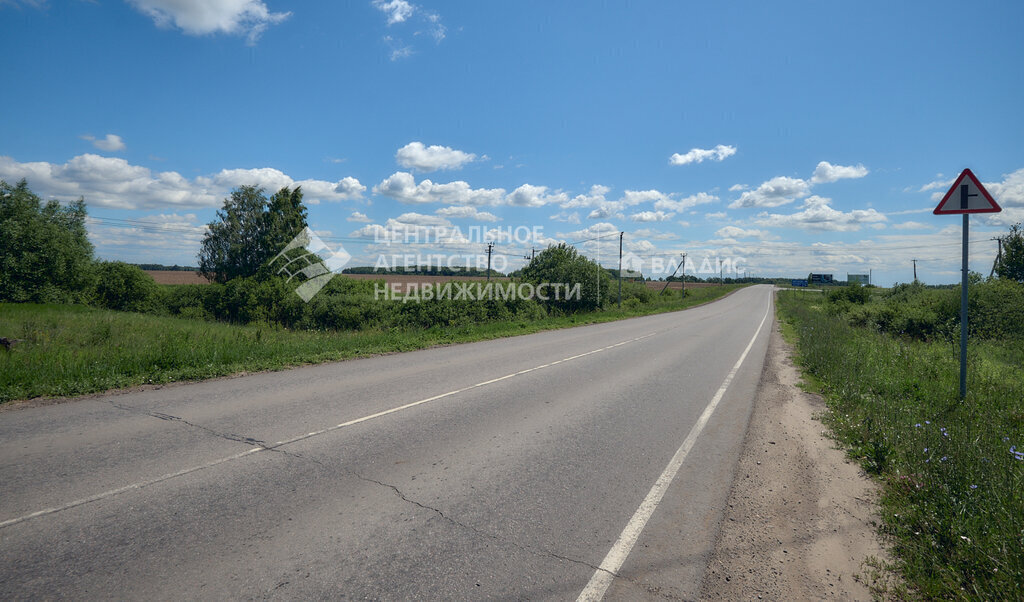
(967, 195)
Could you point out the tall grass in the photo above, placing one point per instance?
(72, 350)
(952, 470)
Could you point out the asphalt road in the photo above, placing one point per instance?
(500, 469)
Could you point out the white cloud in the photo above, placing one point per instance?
(431, 158)
(594, 198)
(402, 187)
(817, 214)
(163, 238)
(359, 218)
(912, 226)
(465, 212)
(734, 232)
(777, 191)
(396, 11)
(113, 182)
(699, 155)
(604, 212)
(565, 216)
(737, 187)
(701, 198)
(529, 195)
(419, 219)
(939, 184)
(651, 216)
(110, 143)
(402, 12)
(716, 215)
(635, 197)
(655, 234)
(826, 172)
(1009, 192)
(204, 17)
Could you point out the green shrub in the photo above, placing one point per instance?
(125, 287)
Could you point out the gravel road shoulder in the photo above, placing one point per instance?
(800, 519)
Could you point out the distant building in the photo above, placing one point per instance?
(858, 278)
(819, 278)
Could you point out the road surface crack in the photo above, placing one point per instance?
(528, 549)
(170, 418)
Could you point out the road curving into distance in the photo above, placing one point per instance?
(582, 463)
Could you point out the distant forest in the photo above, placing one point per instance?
(423, 271)
(156, 267)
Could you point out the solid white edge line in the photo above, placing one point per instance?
(185, 471)
(609, 568)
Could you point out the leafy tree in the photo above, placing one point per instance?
(45, 253)
(250, 231)
(563, 264)
(1011, 263)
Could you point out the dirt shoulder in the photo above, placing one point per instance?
(800, 518)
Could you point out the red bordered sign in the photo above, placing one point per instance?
(967, 195)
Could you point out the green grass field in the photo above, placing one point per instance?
(71, 350)
(952, 471)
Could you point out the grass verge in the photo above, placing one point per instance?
(68, 350)
(952, 471)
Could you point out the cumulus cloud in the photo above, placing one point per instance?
(777, 191)
(826, 172)
(1009, 192)
(604, 212)
(109, 143)
(817, 214)
(699, 155)
(431, 158)
(680, 205)
(651, 216)
(204, 17)
(529, 195)
(402, 187)
(595, 197)
(359, 218)
(113, 182)
(465, 212)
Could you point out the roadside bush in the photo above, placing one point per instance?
(125, 287)
(563, 264)
(192, 299)
(852, 294)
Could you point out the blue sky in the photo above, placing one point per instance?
(793, 136)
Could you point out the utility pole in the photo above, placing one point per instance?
(490, 247)
(621, 234)
(999, 255)
(668, 280)
(915, 269)
(682, 279)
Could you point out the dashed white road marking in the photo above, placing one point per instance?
(155, 480)
(609, 568)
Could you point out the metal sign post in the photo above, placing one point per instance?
(965, 197)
